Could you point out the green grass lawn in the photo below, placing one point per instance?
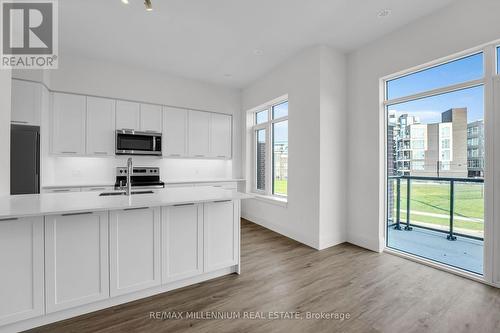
(435, 198)
(281, 186)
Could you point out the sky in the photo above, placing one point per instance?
(429, 109)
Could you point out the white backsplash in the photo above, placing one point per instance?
(96, 170)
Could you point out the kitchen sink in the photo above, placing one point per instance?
(104, 194)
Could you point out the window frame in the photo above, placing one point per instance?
(268, 127)
(490, 81)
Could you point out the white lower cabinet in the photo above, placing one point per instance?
(76, 259)
(220, 235)
(134, 250)
(182, 242)
(21, 277)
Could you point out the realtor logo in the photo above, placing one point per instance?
(29, 38)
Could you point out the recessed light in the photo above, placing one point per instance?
(258, 52)
(125, 2)
(149, 6)
(384, 13)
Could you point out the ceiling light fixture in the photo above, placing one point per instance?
(125, 2)
(149, 6)
(384, 13)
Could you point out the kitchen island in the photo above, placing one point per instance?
(64, 255)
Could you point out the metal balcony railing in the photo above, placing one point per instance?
(408, 225)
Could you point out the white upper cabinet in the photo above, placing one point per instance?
(199, 133)
(220, 136)
(26, 102)
(151, 116)
(100, 126)
(21, 278)
(68, 124)
(76, 259)
(128, 115)
(175, 127)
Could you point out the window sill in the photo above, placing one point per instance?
(283, 202)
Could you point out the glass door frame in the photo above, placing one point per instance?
(491, 274)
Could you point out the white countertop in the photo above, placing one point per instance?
(171, 181)
(78, 202)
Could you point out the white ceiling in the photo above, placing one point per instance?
(211, 39)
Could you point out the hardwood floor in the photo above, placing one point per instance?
(380, 292)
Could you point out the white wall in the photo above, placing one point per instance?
(333, 148)
(461, 26)
(300, 78)
(93, 77)
(5, 101)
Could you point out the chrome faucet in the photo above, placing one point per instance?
(129, 176)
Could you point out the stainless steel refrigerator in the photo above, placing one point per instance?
(24, 159)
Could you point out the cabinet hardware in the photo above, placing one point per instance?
(199, 155)
(68, 152)
(100, 153)
(220, 201)
(9, 219)
(174, 155)
(74, 214)
(18, 122)
(97, 189)
(221, 156)
(61, 190)
(186, 204)
(138, 208)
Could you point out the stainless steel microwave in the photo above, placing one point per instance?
(129, 142)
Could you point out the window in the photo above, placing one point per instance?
(453, 72)
(445, 144)
(271, 149)
(498, 60)
(417, 133)
(418, 165)
(260, 159)
(418, 154)
(434, 139)
(418, 144)
(261, 117)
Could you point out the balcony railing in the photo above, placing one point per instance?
(408, 225)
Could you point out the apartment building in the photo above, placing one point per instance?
(435, 150)
(475, 148)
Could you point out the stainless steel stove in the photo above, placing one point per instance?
(141, 178)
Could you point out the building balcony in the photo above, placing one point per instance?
(440, 219)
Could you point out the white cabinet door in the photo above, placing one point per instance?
(26, 102)
(182, 242)
(128, 115)
(151, 118)
(100, 126)
(175, 123)
(76, 259)
(134, 250)
(68, 124)
(199, 133)
(21, 278)
(220, 235)
(220, 136)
